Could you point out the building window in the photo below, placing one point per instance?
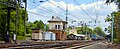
(57, 26)
(63, 27)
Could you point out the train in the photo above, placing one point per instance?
(95, 37)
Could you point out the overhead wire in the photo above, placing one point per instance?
(49, 11)
(97, 11)
(100, 9)
(37, 13)
(63, 10)
(83, 10)
(95, 7)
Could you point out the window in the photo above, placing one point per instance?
(57, 26)
(63, 26)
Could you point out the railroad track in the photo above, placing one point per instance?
(53, 45)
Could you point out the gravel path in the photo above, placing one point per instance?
(99, 45)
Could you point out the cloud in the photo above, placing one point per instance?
(75, 12)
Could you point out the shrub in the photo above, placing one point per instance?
(21, 37)
(28, 35)
(116, 40)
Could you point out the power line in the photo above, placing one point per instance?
(95, 10)
(63, 9)
(83, 10)
(38, 14)
(99, 11)
(47, 9)
(57, 6)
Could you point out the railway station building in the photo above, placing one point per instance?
(58, 26)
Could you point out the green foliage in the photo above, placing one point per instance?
(39, 24)
(116, 33)
(98, 30)
(21, 37)
(13, 26)
(28, 35)
(67, 30)
(116, 40)
(117, 25)
(46, 28)
(83, 30)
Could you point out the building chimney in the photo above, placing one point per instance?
(52, 17)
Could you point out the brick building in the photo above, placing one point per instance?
(58, 26)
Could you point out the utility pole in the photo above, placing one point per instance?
(7, 36)
(9, 8)
(112, 14)
(66, 14)
(25, 16)
(85, 29)
(17, 20)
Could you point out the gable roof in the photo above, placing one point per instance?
(56, 19)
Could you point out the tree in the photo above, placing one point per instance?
(116, 20)
(98, 30)
(3, 16)
(39, 24)
(117, 26)
(29, 27)
(116, 1)
(83, 30)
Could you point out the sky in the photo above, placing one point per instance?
(78, 10)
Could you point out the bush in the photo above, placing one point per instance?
(28, 35)
(116, 40)
(21, 37)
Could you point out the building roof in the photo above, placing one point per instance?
(56, 19)
(79, 35)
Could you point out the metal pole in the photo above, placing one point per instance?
(25, 17)
(8, 26)
(85, 29)
(66, 15)
(17, 19)
(112, 27)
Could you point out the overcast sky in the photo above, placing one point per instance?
(78, 10)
